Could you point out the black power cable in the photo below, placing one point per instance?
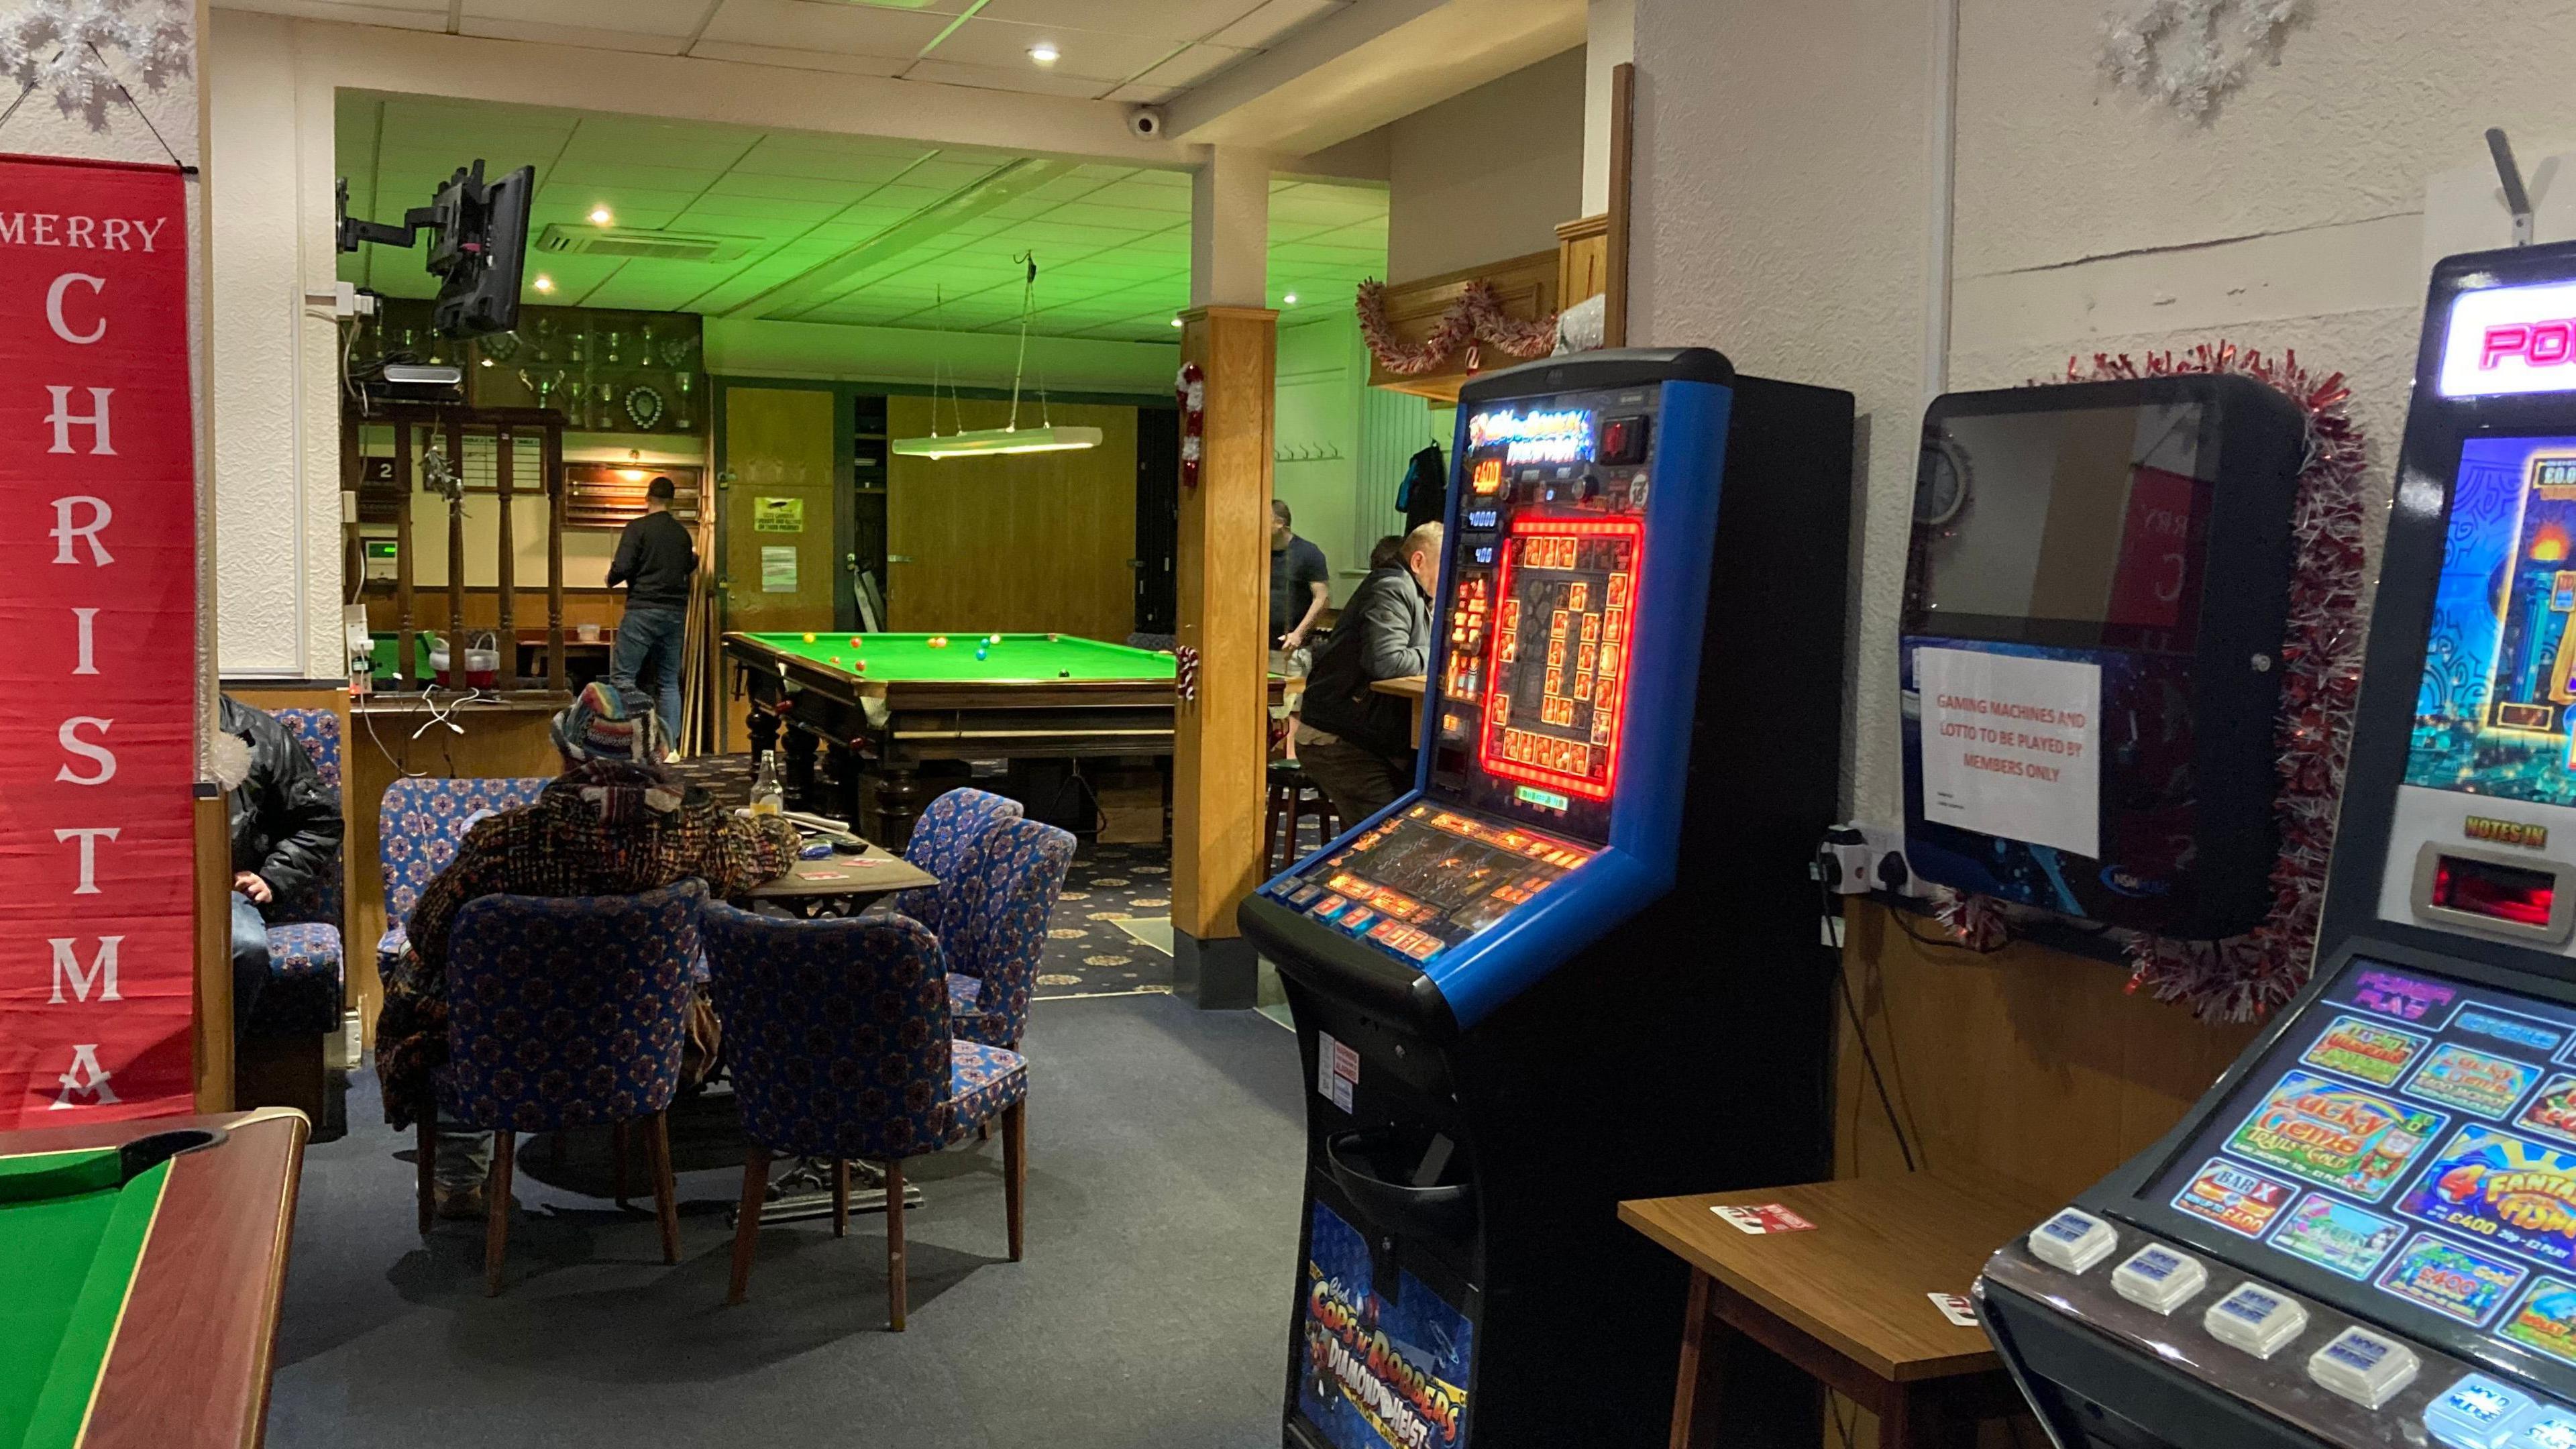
(1869, 1058)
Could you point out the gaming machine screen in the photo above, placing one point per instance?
(2085, 516)
(1556, 680)
(2416, 1135)
(2492, 713)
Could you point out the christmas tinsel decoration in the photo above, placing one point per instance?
(2244, 977)
(1477, 314)
(2188, 53)
(60, 46)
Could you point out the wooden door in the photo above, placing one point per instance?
(1021, 543)
(778, 452)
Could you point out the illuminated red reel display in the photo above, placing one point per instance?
(2499, 892)
(1573, 581)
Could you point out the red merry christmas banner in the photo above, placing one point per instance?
(98, 600)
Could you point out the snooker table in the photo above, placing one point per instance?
(1032, 697)
(143, 1312)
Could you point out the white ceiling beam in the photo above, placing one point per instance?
(1373, 62)
(689, 88)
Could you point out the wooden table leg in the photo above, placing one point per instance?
(1696, 1393)
(800, 747)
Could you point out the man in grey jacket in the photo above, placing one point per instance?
(1357, 744)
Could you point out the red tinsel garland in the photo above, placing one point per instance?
(2246, 976)
(1477, 313)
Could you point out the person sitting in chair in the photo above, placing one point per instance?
(1353, 742)
(615, 824)
(286, 831)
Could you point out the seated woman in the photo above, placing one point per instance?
(615, 824)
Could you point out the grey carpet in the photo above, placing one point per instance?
(1152, 1307)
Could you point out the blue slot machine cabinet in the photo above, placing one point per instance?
(2365, 1233)
(1579, 961)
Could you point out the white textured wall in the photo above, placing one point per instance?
(1784, 207)
(1486, 175)
(278, 527)
(1779, 204)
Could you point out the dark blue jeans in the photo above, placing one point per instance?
(250, 962)
(647, 658)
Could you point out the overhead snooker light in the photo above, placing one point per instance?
(1046, 437)
(990, 442)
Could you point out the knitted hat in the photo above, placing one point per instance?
(598, 725)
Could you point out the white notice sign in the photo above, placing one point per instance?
(2012, 746)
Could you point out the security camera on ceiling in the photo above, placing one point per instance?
(1145, 123)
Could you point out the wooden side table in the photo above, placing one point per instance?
(1845, 1303)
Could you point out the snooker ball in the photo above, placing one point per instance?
(980, 653)
(854, 641)
(1051, 638)
(993, 639)
(809, 638)
(938, 641)
(1064, 674)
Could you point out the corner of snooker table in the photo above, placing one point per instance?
(163, 1311)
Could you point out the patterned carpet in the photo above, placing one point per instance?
(1087, 954)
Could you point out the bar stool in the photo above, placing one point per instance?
(1290, 804)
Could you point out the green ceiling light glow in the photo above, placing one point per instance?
(1046, 437)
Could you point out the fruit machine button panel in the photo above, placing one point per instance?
(1421, 881)
(2303, 1360)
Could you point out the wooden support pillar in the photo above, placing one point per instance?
(213, 1042)
(1223, 569)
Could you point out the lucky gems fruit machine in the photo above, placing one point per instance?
(2366, 1233)
(1579, 962)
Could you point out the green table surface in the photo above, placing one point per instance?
(1019, 657)
(70, 1258)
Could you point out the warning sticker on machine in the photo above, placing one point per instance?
(2012, 746)
(1337, 1070)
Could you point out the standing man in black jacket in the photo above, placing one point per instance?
(286, 830)
(655, 560)
(1357, 744)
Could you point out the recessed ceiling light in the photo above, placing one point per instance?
(545, 283)
(1176, 321)
(1289, 300)
(600, 216)
(1044, 52)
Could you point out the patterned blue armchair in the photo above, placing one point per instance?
(307, 974)
(565, 1013)
(940, 840)
(418, 828)
(839, 1036)
(996, 907)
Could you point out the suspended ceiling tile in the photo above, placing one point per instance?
(943, 171)
(1193, 65)
(774, 157)
(1172, 20)
(397, 16)
(831, 28)
(1272, 22)
(835, 64)
(495, 28)
(1142, 95)
(1024, 78)
(839, 193)
(1098, 55)
(643, 17)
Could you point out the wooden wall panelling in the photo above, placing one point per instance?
(1526, 288)
(2028, 1065)
(1025, 543)
(779, 443)
(1582, 258)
